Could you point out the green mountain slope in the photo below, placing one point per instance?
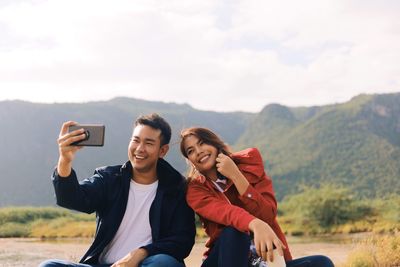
(356, 144)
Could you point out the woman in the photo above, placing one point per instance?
(235, 201)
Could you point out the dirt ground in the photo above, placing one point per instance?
(30, 252)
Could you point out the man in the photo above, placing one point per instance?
(142, 215)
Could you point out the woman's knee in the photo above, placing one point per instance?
(322, 260)
(234, 235)
(311, 261)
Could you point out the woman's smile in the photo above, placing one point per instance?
(204, 158)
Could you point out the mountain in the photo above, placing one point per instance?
(29, 151)
(356, 143)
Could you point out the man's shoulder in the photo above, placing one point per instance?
(114, 170)
(168, 176)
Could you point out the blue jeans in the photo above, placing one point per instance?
(159, 260)
(311, 261)
(232, 250)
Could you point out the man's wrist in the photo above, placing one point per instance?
(64, 168)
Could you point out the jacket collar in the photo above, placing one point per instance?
(168, 177)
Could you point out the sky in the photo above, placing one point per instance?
(236, 55)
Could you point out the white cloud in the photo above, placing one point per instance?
(230, 55)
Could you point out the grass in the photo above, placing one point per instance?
(62, 227)
(333, 210)
(45, 222)
(382, 249)
(378, 250)
(296, 216)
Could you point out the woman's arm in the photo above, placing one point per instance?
(211, 206)
(259, 198)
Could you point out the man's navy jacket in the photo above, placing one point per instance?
(106, 193)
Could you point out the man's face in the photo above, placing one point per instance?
(144, 148)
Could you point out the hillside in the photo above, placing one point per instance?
(356, 143)
(29, 152)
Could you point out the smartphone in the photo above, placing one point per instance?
(94, 134)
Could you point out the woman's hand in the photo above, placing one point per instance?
(264, 239)
(227, 167)
(132, 259)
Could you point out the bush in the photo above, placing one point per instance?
(324, 207)
(360, 258)
(14, 230)
(29, 214)
(388, 208)
(45, 222)
(63, 227)
(378, 250)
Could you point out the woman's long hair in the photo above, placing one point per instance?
(207, 137)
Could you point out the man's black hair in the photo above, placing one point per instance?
(155, 121)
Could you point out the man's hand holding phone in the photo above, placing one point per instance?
(65, 149)
(72, 138)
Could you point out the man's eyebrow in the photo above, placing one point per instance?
(147, 139)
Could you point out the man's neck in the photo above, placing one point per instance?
(144, 177)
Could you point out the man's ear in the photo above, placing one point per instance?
(163, 150)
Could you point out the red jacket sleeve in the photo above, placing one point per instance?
(216, 207)
(259, 198)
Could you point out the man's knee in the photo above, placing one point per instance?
(161, 260)
(53, 263)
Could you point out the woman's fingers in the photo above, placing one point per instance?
(270, 251)
(279, 246)
(265, 239)
(263, 249)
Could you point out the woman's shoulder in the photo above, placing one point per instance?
(198, 184)
(251, 155)
(196, 180)
(249, 160)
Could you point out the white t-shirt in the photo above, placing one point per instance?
(134, 231)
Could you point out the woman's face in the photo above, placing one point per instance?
(201, 155)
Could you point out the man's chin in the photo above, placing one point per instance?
(143, 168)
